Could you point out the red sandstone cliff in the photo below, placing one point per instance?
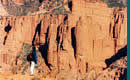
(76, 42)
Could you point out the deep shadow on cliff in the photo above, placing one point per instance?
(7, 30)
(121, 53)
(123, 76)
(38, 30)
(118, 62)
(42, 47)
(73, 40)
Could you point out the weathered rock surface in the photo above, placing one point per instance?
(3, 12)
(95, 32)
(76, 42)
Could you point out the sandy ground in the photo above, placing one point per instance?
(8, 76)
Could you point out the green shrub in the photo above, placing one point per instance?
(116, 3)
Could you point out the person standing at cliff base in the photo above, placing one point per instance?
(33, 61)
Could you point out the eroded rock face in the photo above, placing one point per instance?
(43, 30)
(77, 42)
(95, 34)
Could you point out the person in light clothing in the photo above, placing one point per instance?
(33, 61)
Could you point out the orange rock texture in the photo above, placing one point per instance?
(75, 42)
(20, 2)
(2, 10)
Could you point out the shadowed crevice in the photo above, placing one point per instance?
(73, 40)
(43, 48)
(121, 53)
(58, 37)
(40, 1)
(37, 30)
(7, 30)
(70, 5)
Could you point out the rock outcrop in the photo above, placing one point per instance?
(76, 42)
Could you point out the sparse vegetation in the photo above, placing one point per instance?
(57, 7)
(21, 10)
(116, 3)
(25, 65)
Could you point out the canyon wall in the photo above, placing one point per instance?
(18, 30)
(75, 42)
(100, 32)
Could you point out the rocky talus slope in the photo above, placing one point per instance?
(70, 46)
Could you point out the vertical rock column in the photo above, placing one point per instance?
(66, 59)
(118, 28)
(52, 46)
(80, 48)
